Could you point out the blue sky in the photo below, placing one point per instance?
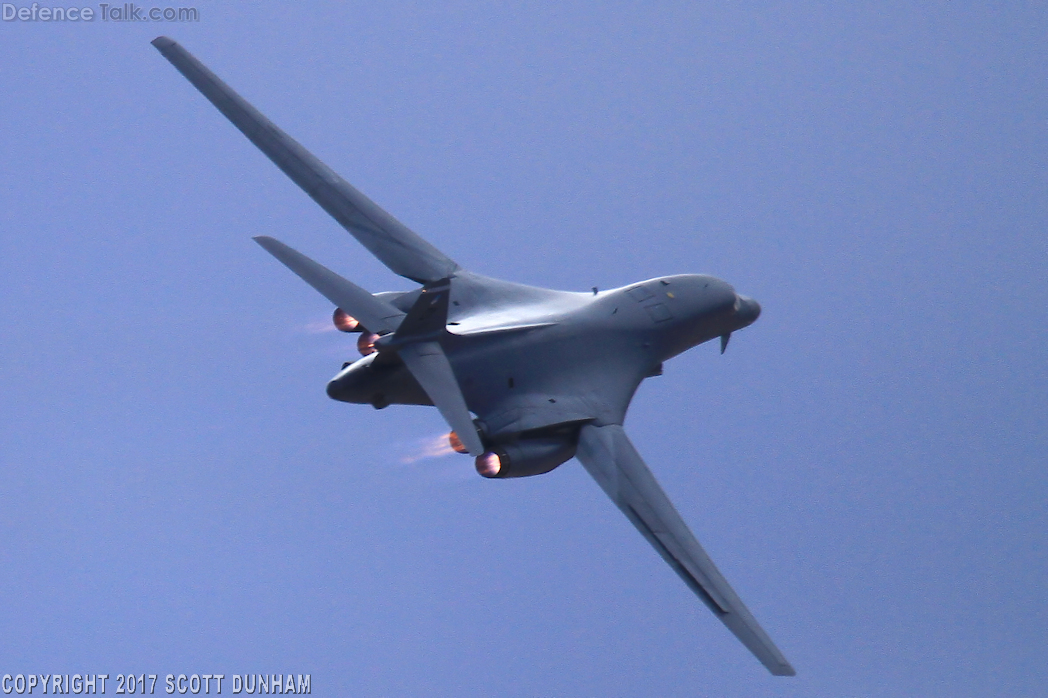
(865, 464)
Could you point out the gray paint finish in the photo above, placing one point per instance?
(387, 238)
(521, 359)
(608, 455)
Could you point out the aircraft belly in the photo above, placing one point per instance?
(517, 357)
(545, 377)
(517, 382)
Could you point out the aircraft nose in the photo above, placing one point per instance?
(747, 311)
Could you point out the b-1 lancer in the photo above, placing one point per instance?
(526, 378)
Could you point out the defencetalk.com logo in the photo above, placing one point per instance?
(127, 12)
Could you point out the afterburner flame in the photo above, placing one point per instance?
(366, 343)
(345, 322)
(456, 443)
(489, 464)
(430, 447)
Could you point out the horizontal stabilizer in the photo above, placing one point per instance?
(430, 367)
(373, 313)
(608, 456)
(394, 244)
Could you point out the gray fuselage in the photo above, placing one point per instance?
(528, 358)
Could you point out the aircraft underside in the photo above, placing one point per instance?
(526, 378)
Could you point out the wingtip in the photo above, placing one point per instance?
(272, 245)
(784, 670)
(162, 42)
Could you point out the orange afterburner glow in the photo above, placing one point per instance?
(456, 443)
(489, 464)
(345, 322)
(366, 343)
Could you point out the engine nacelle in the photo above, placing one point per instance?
(526, 456)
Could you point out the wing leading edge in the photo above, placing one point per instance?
(614, 463)
(393, 243)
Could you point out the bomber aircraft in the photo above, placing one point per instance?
(548, 374)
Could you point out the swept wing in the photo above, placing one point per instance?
(605, 451)
(395, 245)
(614, 463)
